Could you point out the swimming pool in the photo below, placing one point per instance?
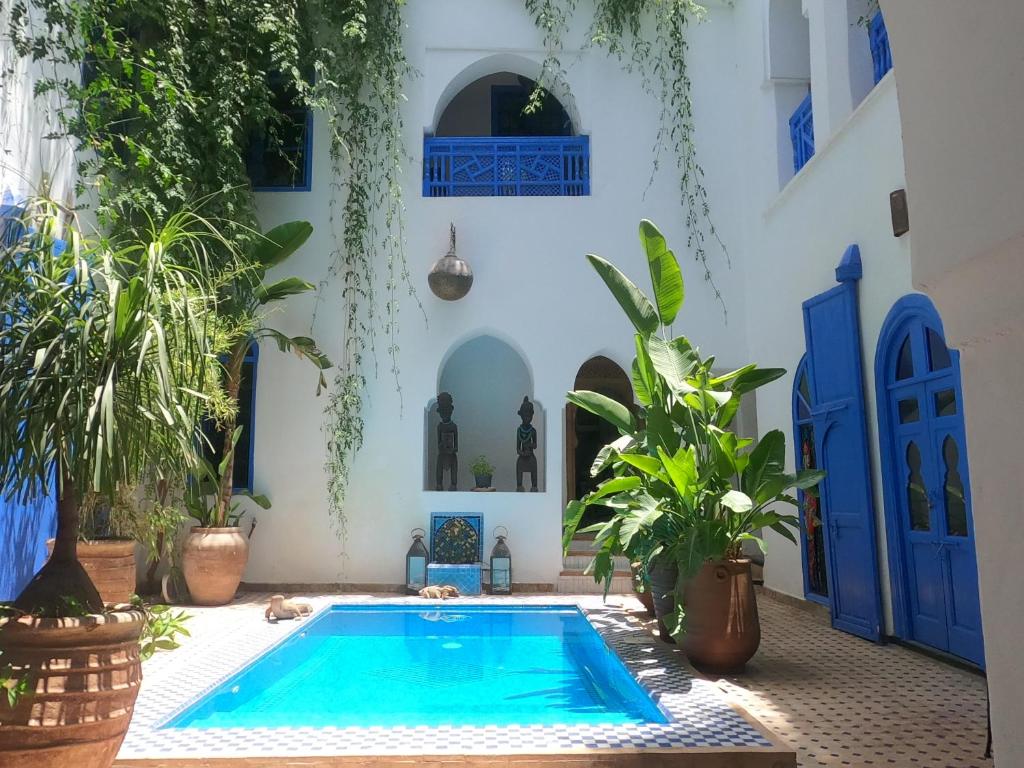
(402, 665)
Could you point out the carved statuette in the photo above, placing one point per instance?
(526, 444)
(447, 444)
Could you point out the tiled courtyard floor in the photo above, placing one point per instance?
(839, 700)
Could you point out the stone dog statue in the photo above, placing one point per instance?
(439, 593)
(280, 608)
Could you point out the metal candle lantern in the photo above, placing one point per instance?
(501, 564)
(416, 560)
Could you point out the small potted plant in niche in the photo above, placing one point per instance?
(102, 362)
(483, 472)
(215, 552)
(686, 491)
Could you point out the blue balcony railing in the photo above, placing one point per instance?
(801, 132)
(878, 37)
(506, 166)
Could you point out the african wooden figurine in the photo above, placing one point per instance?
(447, 444)
(280, 608)
(526, 444)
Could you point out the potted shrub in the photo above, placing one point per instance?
(102, 358)
(686, 491)
(215, 552)
(483, 472)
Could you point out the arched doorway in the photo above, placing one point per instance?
(928, 499)
(586, 434)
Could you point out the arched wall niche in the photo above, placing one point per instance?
(514, 64)
(487, 378)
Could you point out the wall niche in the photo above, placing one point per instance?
(487, 379)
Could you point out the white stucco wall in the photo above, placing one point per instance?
(962, 118)
(533, 290)
(795, 237)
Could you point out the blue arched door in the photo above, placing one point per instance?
(928, 498)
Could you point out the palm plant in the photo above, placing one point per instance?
(104, 355)
(242, 305)
(685, 489)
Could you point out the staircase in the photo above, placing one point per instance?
(574, 581)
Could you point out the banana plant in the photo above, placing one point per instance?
(685, 488)
(244, 303)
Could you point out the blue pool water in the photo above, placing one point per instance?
(453, 665)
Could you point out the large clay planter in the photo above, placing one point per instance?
(722, 627)
(663, 584)
(84, 675)
(213, 560)
(110, 564)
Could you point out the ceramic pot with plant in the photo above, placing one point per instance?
(483, 472)
(215, 552)
(102, 368)
(685, 490)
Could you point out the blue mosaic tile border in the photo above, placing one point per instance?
(701, 716)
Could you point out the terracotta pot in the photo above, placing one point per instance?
(84, 675)
(110, 564)
(646, 598)
(213, 560)
(663, 584)
(722, 627)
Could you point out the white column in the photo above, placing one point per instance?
(829, 25)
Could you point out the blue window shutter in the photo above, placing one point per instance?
(801, 133)
(881, 55)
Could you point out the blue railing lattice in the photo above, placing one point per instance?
(506, 166)
(801, 132)
(881, 55)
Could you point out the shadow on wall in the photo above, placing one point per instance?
(487, 380)
(24, 529)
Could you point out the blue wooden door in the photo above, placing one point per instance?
(929, 490)
(832, 333)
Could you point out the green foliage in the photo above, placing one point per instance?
(481, 466)
(103, 357)
(13, 685)
(162, 629)
(175, 91)
(649, 37)
(684, 488)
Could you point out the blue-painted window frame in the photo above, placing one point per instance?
(801, 133)
(914, 306)
(803, 369)
(252, 357)
(878, 38)
(256, 152)
(440, 153)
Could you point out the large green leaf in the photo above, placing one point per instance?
(751, 379)
(571, 521)
(638, 308)
(610, 410)
(766, 463)
(674, 360)
(282, 289)
(280, 243)
(666, 276)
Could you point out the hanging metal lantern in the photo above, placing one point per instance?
(450, 278)
(501, 564)
(416, 560)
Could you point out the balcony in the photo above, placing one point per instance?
(881, 55)
(506, 166)
(801, 132)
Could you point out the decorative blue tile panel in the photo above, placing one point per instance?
(881, 54)
(465, 578)
(486, 166)
(801, 132)
(456, 539)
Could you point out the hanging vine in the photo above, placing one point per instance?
(649, 37)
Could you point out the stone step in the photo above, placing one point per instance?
(575, 583)
(582, 572)
(580, 560)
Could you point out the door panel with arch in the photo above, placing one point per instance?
(927, 488)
